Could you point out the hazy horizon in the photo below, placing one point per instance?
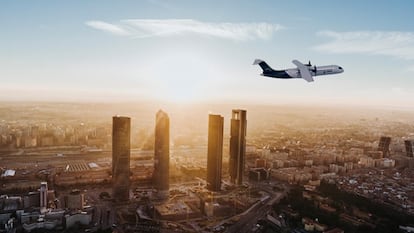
(181, 53)
(162, 104)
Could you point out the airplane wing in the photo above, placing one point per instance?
(304, 71)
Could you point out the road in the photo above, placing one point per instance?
(248, 220)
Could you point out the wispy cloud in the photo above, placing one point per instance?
(391, 43)
(107, 27)
(142, 28)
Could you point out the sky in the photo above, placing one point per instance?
(202, 51)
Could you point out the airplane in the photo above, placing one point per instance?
(305, 71)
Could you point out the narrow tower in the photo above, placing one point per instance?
(162, 154)
(237, 145)
(214, 152)
(121, 135)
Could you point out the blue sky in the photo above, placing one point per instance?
(189, 51)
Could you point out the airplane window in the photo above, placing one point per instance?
(340, 68)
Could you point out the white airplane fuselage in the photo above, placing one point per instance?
(320, 70)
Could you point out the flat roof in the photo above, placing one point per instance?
(9, 173)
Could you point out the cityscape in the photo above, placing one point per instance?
(268, 169)
(182, 116)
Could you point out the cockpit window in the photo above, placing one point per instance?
(340, 68)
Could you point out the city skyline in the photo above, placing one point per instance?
(238, 181)
(179, 51)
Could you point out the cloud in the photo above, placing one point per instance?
(143, 28)
(107, 27)
(391, 43)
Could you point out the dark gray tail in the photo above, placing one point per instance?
(265, 67)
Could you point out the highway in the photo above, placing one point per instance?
(249, 219)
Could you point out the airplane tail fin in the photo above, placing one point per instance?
(265, 67)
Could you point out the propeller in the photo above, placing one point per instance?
(309, 63)
(314, 69)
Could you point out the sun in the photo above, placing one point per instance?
(183, 76)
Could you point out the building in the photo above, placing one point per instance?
(214, 152)
(366, 161)
(76, 219)
(260, 163)
(43, 194)
(47, 140)
(105, 215)
(121, 134)
(177, 210)
(409, 148)
(162, 154)
(30, 141)
(32, 199)
(259, 174)
(75, 200)
(375, 154)
(237, 145)
(384, 146)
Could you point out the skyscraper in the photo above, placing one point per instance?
(409, 147)
(162, 154)
(214, 152)
(384, 146)
(237, 145)
(121, 128)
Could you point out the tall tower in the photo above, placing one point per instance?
(384, 146)
(43, 194)
(237, 145)
(214, 152)
(162, 154)
(121, 135)
(409, 147)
